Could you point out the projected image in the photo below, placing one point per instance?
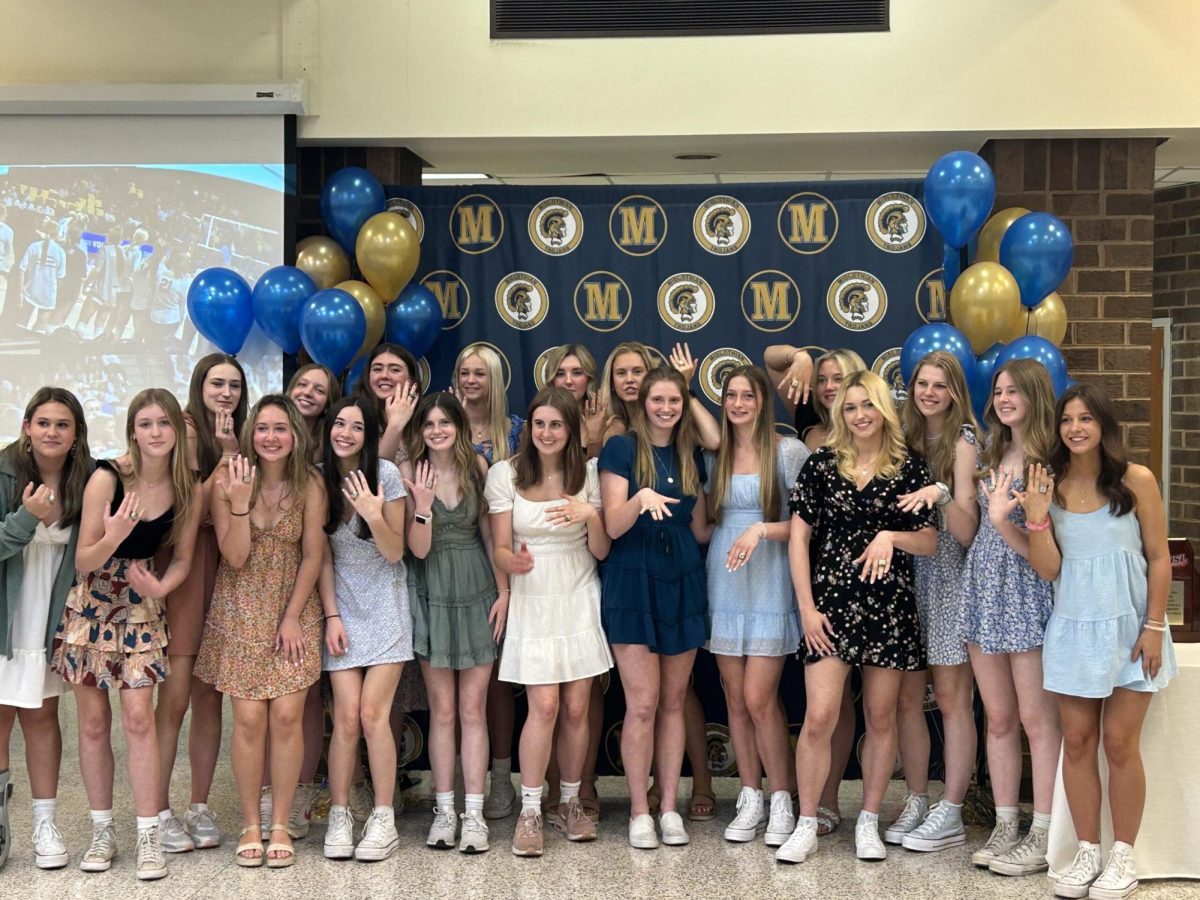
(95, 264)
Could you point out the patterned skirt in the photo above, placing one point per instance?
(111, 636)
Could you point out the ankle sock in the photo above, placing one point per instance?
(502, 768)
(531, 798)
(44, 809)
(1121, 847)
(474, 803)
(144, 823)
(1041, 820)
(333, 807)
(199, 807)
(386, 811)
(444, 800)
(568, 791)
(1006, 813)
(164, 816)
(101, 817)
(810, 821)
(868, 818)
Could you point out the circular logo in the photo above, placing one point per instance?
(856, 300)
(685, 302)
(603, 300)
(405, 207)
(424, 374)
(719, 748)
(657, 357)
(808, 222)
(409, 743)
(931, 297)
(505, 367)
(887, 367)
(541, 375)
(715, 367)
(612, 747)
(770, 300)
(555, 226)
(522, 300)
(452, 294)
(895, 222)
(721, 225)
(476, 224)
(637, 225)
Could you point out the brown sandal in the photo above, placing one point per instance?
(654, 799)
(591, 805)
(702, 807)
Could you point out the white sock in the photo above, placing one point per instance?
(199, 807)
(1041, 820)
(1121, 847)
(44, 809)
(444, 800)
(567, 791)
(531, 798)
(101, 817)
(164, 815)
(474, 803)
(1006, 813)
(145, 823)
(776, 794)
(387, 811)
(810, 821)
(502, 767)
(946, 802)
(868, 818)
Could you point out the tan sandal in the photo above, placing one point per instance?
(654, 799)
(250, 862)
(827, 821)
(702, 807)
(280, 862)
(590, 804)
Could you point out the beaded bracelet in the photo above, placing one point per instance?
(1038, 526)
(1154, 626)
(762, 527)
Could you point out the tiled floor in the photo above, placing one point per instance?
(708, 868)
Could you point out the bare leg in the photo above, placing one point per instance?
(314, 735)
(824, 684)
(285, 715)
(472, 716)
(761, 688)
(95, 745)
(881, 691)
(501, 716)
(573, 739)
(141, 747)
(204, 738)
(1124, 714)
(841, 746)
(587, 790)
(1039, 718)
(639, 670)
(913, 731)
(538, 733)
(440, 684)
(375, 704)
(670, 731)
(249, 742)
(174, 695)
(343, 745)
(741, 726)
(43, 747)
(1081, 767)
(994, 676)
(953, 687)
(695, 728)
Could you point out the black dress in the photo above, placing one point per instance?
(873, 624)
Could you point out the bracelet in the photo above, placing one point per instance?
(1038, 526)
(246, 513)
(332, 616)
(1154, 626)
(503, 591)
(762, 528)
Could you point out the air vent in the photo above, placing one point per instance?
(662, 18)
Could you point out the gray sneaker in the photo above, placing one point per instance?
(151, 863)
(942, 828)
(443, 830)
(1028, 857)
(1004, 837)
(201, 824)
(916, 807)
(474, 836)
(501, 800)
(173, 837)
(300, 816)
(102, 852)
(362, 801)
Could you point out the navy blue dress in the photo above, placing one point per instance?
(654, 588)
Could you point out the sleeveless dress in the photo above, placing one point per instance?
(654, 590)
(26, 679)
(110, 635)
(452, 591)
(752, 612)
(486, 448)
(554, 633)
(237, 654)
(372, 593)
(1100, 599)
(939, 591)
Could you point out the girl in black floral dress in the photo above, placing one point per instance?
(855, 591)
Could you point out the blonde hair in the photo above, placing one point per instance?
(763, 440)
(587, 362)
(848, 362)
(939, 454)
(499, 424)
(1033, 384)
(616, 406)
(298, 468)
(683, 436)
(893, 451)
(183, 479)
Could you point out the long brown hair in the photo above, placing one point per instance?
(893, 451)
(466, 465)
(1033, 383)
(208, 451)
(683, 436)
(587, 362)
(763, 439)
(939, 454)
(527, 464)
(298, 470)
(1112, 455)
(616, 406)
(78, 466)
(364, 383)
(333, 393)
(183, 479)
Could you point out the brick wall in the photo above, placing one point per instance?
(1177, 294)
(1104, 190)
(391, 165)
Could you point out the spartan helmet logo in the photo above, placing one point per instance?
(854, 301)
(719, 225)
(682, 302)
(519, 303)
(554, 226)
(893, 222)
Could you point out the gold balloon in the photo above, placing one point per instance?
(984, 303)
(1018, 327)
(323, 260)
(1049, 319)
(993, 232)
(387, 251)
(372, 306)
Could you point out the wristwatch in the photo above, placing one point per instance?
(944, 491)
(422, 519)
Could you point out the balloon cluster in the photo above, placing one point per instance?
(1002, 306)
(316, 304)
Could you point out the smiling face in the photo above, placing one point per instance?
(153, 432)
(51, 430)
(664, 405)
(273, 439)
(347, 433)
(311, 393)
(931, 391)
(387, 372)
(473, 378)
(437, 430)
(548, 430)
(861, 416)
(740, 402)
(829, 379)
(222, 388)
(571, 377)
(1079, 429)
(627, 373)
(1007, 401)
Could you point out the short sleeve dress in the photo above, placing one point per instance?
(654, 589)
(752, 612)
(372, 593)
(873, 624)
(553, 634)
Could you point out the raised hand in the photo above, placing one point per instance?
(119, 525)
(38, 501)
(655, 503)
(682, 362)
(224, 431)
(398, 408)
(1001, 499)
(594, 414)
(423, 486)
(572, 511)
(1039, 490)
(356, 490)
(239, 486)
(796, 385)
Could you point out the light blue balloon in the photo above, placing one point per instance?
(218, 303)
(959, 191)
(350, 197)
(414, 319)
(277, 299)
(1038, 250)
(332, 328)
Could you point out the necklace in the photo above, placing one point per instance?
(668, 464)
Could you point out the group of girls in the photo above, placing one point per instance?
(314, 533)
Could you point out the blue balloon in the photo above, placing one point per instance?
(332, 328)
(350, 197)
(414, 319)
(981, 379)
(218, 303)
(934, 336)
(277, 299)
(354, 375)
(951, 267)
(1030, 346)
(959, 191)
(1038, 250)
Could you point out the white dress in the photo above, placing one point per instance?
(554, 633)
(27, 679)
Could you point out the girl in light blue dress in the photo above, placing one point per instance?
(1098, 531)
(752, 612)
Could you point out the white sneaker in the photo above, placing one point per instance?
(300, 815)
(942, 828)
(1028, 857)
(102, 852)
(916, 807)
(501, 800)
(151, 863)
(642, 835)
(201, 824)
(474, 835)
(1084, 869)
(1119, 878)
(1003, 838)
(751, 817)
(173, 837)
(339, 836)
(801, 845)
(49, 851)
(673, 832)
(782, 822)
(867, 844)
(444, 829)
(379, 840)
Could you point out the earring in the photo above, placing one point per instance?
(27, 444)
